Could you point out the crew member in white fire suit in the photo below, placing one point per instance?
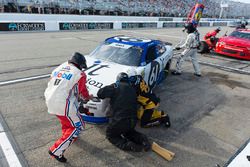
(190, 47)
(67, 84)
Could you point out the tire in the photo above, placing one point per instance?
(203, 47)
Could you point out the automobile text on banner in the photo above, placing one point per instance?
(22, 26)
(85, 26)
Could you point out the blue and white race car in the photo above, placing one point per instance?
(149, 58)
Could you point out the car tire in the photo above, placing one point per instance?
(203, 47)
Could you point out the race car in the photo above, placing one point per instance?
(237, 44)
(148, 58)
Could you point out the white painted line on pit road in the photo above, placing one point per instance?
(1, 128)
(8, 151)
(24, 79)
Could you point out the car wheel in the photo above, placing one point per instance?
(203, 47)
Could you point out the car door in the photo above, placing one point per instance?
(153, 66)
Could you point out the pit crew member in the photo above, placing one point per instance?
(121, 128)
(148, 112)
(190, 50)
(210, 37)
(66, 85)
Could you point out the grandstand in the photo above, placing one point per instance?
(170, 8)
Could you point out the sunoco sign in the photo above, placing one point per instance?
(22, 26)
(85, 26)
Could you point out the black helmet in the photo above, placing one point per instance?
(190, 28)
(122, 77)
(218, 29)
(78, 60)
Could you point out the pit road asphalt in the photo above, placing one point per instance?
(210, 115)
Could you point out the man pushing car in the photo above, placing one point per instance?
(67, 84)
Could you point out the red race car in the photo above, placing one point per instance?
(237, 44)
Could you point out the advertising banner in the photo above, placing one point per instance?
(84, 26)
(169, 25)
(220, 24)
(139, 25)
(165, 19)
(18, 26)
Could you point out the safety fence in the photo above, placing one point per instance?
(25, 22)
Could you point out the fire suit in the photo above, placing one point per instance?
(121, 128)
(211, 39)
(190, 46)
(66, 84)
(147, 113)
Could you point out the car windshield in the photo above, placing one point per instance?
(239, 34)
(118, 53)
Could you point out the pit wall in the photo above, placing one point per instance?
(45, 22)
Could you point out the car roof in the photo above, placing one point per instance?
(134, 41)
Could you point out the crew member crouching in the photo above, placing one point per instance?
(123, 104)
(148, 113)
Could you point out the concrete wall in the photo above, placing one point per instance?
(46, 22)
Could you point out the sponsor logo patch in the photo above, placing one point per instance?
(62, 75)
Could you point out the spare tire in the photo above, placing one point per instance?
(203, 47)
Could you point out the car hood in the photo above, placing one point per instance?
(236, 41)
(101, 73)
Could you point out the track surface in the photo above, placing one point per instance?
(210, 115)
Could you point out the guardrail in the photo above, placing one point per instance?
(35, 22)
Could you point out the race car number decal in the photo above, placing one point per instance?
(154, 73)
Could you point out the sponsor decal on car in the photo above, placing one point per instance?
(120, 45)
(94, 68)
(94, 83)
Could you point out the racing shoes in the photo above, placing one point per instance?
(175, 73)
(131, 146)
(146, 145)
(60, 159)
(166, 120)
(198, 75)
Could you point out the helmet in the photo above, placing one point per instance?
(190, 28)
(122, 77)
(218, 29)
(78, 60)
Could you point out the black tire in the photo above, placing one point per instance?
(203, 47)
